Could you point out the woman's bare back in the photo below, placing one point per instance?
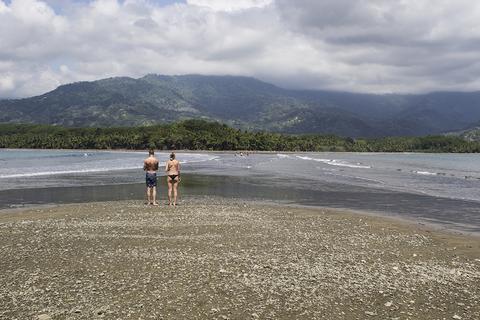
(172, 167)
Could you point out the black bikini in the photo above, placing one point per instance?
(172, 177)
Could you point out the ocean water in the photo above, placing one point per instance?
(435, 187)
(444, 175)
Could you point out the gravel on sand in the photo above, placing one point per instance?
(213, 258)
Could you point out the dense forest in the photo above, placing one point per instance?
(203, 135)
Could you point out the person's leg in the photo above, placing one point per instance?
(148, 195)
(169, 191)
(175, 185)
(154, 196)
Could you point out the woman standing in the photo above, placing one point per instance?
(173, 178)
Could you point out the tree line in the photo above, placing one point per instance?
(204, 135)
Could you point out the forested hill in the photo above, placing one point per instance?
(245, 103)
(202, 135)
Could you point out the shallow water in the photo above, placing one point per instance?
(445, 175)
(442, 188)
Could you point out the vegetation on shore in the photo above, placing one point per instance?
(203, 135)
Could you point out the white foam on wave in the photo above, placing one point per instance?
(426, 173)
(210, 158)
(283, 156)
(52, 173)
(338, 163)
(102, 166)
(328, 169)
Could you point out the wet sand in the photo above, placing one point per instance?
(214, 258)
(446, 213)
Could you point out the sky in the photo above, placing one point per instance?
(371, 46)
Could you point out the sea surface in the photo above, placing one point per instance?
(438, 188)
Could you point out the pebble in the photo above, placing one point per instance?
(100, 311)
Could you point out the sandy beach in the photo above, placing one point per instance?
(212, 258)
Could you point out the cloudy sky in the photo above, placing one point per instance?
(406, 46)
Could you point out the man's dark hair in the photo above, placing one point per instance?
(151, 152)
(172, 156)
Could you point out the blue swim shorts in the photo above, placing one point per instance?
(151, 179)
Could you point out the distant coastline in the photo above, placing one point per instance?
(200, 135)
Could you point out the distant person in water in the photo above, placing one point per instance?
(172, 168)
(150, 166)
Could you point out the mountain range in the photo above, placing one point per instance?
(245, 103)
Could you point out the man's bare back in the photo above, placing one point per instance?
(150, 164)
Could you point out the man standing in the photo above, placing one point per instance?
(150, 165)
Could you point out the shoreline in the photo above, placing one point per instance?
(230, 259)
(424, 226)
(238, 151)
(457, 215)
(427, 226)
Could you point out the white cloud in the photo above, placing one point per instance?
(6, 83)
(3, 7)
(353, 45)
(229, 5)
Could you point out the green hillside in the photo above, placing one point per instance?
(244, 103)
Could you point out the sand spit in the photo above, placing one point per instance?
(218, 259)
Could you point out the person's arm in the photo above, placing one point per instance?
(178, 170)
(156, 165)
(144, 165)
(166, 167)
